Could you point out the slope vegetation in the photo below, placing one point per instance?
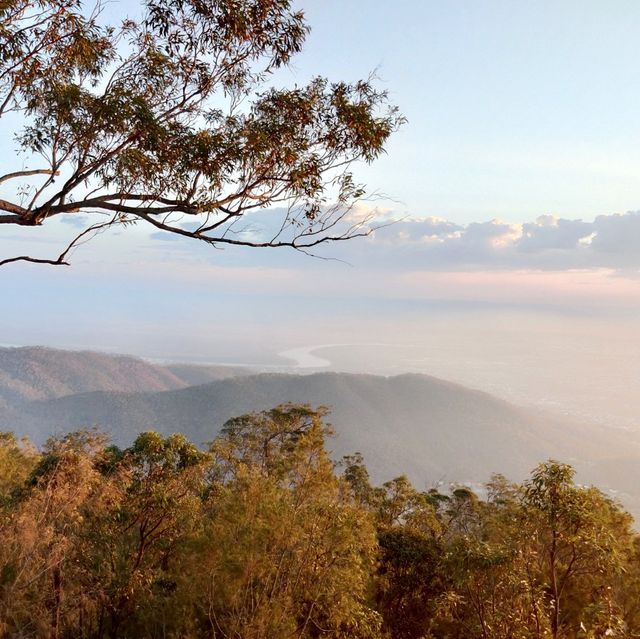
(431, 429)
(36, 373)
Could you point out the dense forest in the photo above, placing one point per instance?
(263, 536)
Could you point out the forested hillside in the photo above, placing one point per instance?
(262, 536)
(427, 428)
(36, 373)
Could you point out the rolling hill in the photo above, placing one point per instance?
(35, 373)
(427, 428)
(430, 429)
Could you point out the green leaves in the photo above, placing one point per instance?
(17, 459)
(259, 538)
(169, 115)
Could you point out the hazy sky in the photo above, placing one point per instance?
(515, 109)
(516, 178)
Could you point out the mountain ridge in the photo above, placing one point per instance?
(396, 418)
(431, 429)
(37, 372)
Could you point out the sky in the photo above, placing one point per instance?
(514, 187)
(516, 109)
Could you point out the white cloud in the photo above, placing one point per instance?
(617, 235)
(549, 232)
(548, 243)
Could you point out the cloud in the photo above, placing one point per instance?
(617, 235)
(547, 243)
(549, 232)
(411, 244)
(419, 230)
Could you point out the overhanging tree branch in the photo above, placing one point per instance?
(138, 131)
(61, 260)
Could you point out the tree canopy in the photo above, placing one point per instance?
(171, 119)
(262, 536)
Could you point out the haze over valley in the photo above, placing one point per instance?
(433, 430)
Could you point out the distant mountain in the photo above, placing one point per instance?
(36, 373)
(194, 375)
(430, 429)
(427, 428)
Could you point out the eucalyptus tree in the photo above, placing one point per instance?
(172, 119)
(40, 589)
(409, 577)
(578, 540)
(291, 553)
(17, 459)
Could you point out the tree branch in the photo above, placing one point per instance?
(36, 260)
(18, 211)
(142, 132)
(61, 260)
(17, 174)
(14, 219)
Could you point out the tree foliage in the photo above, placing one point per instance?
(262, 536)
(172, 117)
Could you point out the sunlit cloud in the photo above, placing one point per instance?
(547, 243)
